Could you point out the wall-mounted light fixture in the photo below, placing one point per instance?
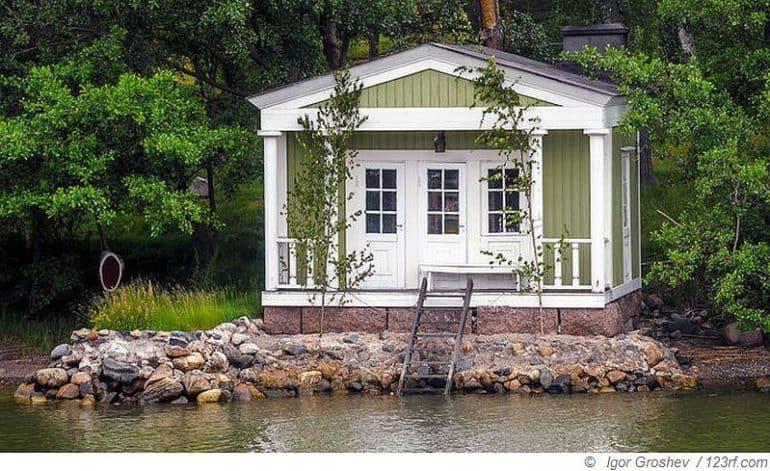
(439, 142)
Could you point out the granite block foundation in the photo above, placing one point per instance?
(610, 321)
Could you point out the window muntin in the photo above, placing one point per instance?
(381, 201)
(443, 201)
(502, 201)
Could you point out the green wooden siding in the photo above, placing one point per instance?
(566, 196)
(426, 89)
(413, 140)
(620, 140)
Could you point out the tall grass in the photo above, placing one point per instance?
(143, 305)
(34, 336)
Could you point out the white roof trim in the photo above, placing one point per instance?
(534, 83)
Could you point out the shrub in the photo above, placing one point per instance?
(143, 305)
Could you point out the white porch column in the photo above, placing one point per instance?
(271, 208)
(600, 169)
(536, 146)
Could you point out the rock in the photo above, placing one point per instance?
(616, 376)
(652, 353)
(621, 387)
(192, 361)
(80, 378)
(384, 335)
(146, 372)
(763, 384)
(560, 385)
(212, 395)
(355, 386)
(466, 346)
(87, 389)
(683, 381)
(195, 383)
(180, 339)
(248, 348)
(471, 384)
(181, 400)
(684, 326)
(165, 389)
(654, 301)
(506, 371)
(498, 388)
(88, 400)
(295, 349)
(176, 351)
(60, 351)
(389, 347)
(241, 393)
(512, 385)
(163, 371)
(352, 338)
(68, 391)
(24, 391)
(736, 336)
(119, 371)
(80, 334)
(38, 398)
(546, 378)
(238, 359)
(51, 377)
(545, 350)
(238, 339)
(309, 380)
(218, 360)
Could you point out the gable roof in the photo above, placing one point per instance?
(516, 67)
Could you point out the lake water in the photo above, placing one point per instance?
(698, 421)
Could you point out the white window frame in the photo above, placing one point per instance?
(486, 166)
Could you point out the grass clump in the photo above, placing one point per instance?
(29, 336)
(145, 306)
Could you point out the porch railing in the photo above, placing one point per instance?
(295, 266)
(562, 258)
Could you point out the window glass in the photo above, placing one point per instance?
(381, 201)
(389, 178)
(372, 178)
(502, 200)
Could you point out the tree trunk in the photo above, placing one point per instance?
(331, 45)
(489, 20)
(686, 42)
(646, 175)
(374, 46)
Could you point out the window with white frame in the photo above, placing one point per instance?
(501, 201)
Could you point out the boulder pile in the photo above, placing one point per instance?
(239, 361)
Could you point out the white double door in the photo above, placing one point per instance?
(436, 210)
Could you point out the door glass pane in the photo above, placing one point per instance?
(451, 179)
(372, 223)
(434, 224)
(510, 176)
(389, 178)
(434, 179)
(434, 201)
(388, 223)
(388, 200)
(372, 178)
(494, 179)
(495, 200)
(372, 200)
(511, 200)
(451, 201)
(510, 224)
(495, 223)
(451, 224)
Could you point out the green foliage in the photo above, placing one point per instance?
(524, 36)
(33, 336)
(142, 305)
(708, 115)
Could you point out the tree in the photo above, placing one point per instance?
(512, 137)
(709, 115)
(489, 20)
(313, 210)
(88, 143)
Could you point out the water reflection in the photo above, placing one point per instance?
(612, 422)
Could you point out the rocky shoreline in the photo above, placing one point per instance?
(239, 361)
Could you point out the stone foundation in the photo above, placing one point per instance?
(609, 321)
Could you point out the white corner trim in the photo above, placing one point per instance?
(269, 133)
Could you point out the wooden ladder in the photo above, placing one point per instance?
(416, 336)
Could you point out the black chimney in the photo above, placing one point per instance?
(574, 38)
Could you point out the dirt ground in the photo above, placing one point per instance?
(719, 365)
(15, 365)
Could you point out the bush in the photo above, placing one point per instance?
(142, 305)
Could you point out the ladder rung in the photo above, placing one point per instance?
(445, 362)
(419, 376)
(445, 295)
(422, 390)
(434, 334)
